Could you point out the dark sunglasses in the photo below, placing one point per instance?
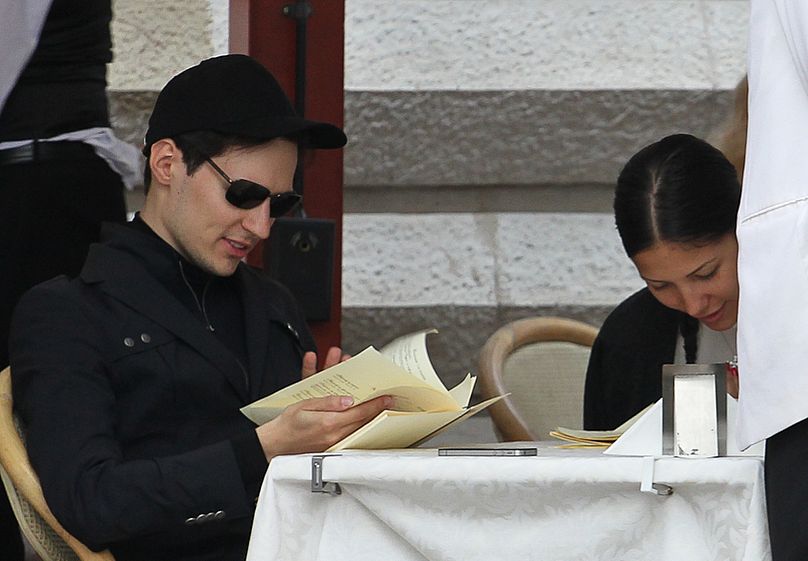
(246, 194)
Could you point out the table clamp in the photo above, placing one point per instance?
(647, 484)
(317, 483)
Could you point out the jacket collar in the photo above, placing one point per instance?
(129, 264)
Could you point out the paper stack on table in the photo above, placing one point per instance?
(578, 438)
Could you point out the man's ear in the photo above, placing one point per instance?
(164, 154)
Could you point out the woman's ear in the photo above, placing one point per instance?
(164, 154)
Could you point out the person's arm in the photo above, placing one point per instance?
(63, 391)
(610, 391)
(98, 494)
(625, 365)
(620, 381)
(314, 425)
(67, 388)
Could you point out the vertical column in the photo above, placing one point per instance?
(260, 28)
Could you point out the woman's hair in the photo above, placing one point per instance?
(681, 190)
(730, 137)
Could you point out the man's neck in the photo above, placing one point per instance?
(147, 218)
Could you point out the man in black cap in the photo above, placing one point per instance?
(129, 378)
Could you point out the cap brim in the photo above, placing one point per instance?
(313, 134)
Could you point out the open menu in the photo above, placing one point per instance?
(422, 406)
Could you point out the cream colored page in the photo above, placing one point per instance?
(602, 434)
(461, 393)
(588, 434)
(460, 418)
(391, 429)
(409, 352)
(364, 376)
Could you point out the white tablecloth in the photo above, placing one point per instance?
(560, 505)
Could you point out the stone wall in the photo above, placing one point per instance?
(485, 137)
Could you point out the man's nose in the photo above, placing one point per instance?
(257, 220)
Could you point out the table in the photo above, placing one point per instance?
(560, 505)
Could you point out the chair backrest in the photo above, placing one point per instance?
(542, 362)
(47, 537)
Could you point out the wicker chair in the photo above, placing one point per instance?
(542, 362)
(47, 537)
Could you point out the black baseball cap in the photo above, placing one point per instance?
(233, 94)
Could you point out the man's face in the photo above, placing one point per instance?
(203, 227)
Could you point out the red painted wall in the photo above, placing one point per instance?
(259, 28)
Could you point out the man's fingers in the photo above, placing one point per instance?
(366, 411)
(343, 403)
(330, 403)
(309, 366)
(339, 424)
(332, 357)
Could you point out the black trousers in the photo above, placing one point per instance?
(787, 493)
(50, 212)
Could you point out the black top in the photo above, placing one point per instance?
(625, 366)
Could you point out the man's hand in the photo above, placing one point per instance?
(332, 357)
(316, 424)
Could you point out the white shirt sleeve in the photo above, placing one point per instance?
(773, 225)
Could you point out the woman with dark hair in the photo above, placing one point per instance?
(675, 208)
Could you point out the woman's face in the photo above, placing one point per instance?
(700, 280)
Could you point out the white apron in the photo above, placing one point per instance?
(773, 225)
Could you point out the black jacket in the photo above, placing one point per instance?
(132, 405)
(625, 366)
